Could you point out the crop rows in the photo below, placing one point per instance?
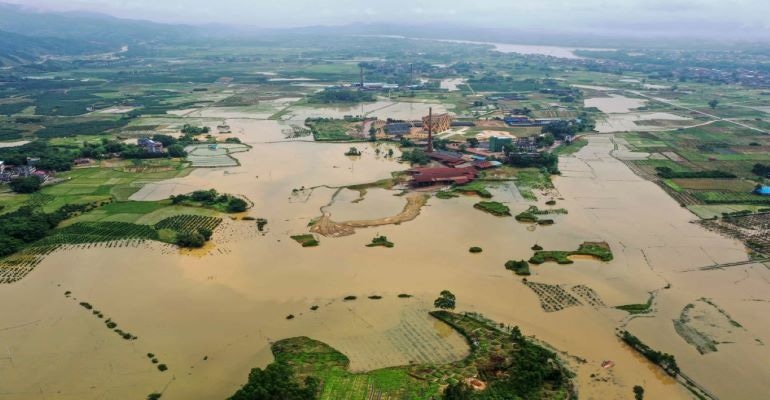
(553, 297)
(94, 232)
(188, 223)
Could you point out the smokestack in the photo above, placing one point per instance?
(430, 130)
(362, 76)
(411, 73)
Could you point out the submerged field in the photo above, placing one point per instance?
(610, 241)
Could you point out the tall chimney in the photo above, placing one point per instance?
(430, 130)
(362, 76)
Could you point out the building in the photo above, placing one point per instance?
(447, 158)
(150, 145)
(497, 143)
(442, 175)
(439, 122)
(398, 128)
(2, 167)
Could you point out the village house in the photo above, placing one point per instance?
(150, 145)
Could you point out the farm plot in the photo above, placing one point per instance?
(212, 156)
(189, 223)
(728, 185)
(751, 229)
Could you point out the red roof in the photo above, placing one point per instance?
(437, 175)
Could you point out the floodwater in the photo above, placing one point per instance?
(382, 109)
(211, 318)
(621, 118)
(615, 103)
(553, 51)
(377, 203)
(626, 122)
(453, 84)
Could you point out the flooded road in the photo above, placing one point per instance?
(212, 318)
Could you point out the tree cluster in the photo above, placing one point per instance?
(277, 382)
(212, 198)
(416, 156)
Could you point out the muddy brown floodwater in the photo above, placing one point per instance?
(211, 318)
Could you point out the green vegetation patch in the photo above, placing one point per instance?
(533, 213)
(634, 309)
(508, 363)
(494, 208)
(475, 187)
(334, 130)
(380, 241)
(518, 267)
(600, 250)
(306, 240)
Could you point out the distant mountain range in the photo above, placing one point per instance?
(27, 34)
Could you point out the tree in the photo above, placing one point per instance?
(29, 184)
(446, 300)
(638, 393)
(458, 391)
(176, 150)
(190, 239)
(237, 205)
(713, 103)
(472, 142)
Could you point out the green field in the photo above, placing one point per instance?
(495, 355)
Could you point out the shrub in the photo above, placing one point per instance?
(162, 367)
(350, 298)
(236, 205)
(475, 249)
(518, 267)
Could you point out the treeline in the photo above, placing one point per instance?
(52, 158)
(107, 147)
(663, 360)
(329, 95)
(668, 173)
(561, 129)
(28, 224)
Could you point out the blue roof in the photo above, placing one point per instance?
(763, 190)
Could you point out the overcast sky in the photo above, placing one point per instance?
(582, 15)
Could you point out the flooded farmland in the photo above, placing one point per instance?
(231, 301)
(622, 117)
